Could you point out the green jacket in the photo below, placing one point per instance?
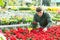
(44, 20)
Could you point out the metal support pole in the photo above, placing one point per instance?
(41, 2)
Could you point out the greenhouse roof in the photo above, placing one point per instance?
(55, 0)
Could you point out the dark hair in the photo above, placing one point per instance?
(38, 9)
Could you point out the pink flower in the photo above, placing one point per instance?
(0, 31)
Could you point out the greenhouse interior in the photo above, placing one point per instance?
(29, 19)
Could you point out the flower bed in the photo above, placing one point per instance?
(52, 33)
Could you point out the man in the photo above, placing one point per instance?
(43, 19)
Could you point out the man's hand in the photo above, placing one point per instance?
(45, 29)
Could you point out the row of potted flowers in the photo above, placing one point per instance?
(52, 33)
(15, 20)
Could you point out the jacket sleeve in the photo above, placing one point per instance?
(49, 20)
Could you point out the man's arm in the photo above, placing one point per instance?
(49, 20)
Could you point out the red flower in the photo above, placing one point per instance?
(51, 30)
(7, 33)
(29, 35)
(15, 31)
(18, 35)
(7, 38)
(20, 30)
(26, 30)
(11, 30)
(41, 36)
(58, 34)
(12, 37)
(33, 38)
(46, 36)
(49, 39)
(24, 38)
(40, 29)
(34, 31)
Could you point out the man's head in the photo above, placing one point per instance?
(39, 11)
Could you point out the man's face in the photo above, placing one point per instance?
(40, 13)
